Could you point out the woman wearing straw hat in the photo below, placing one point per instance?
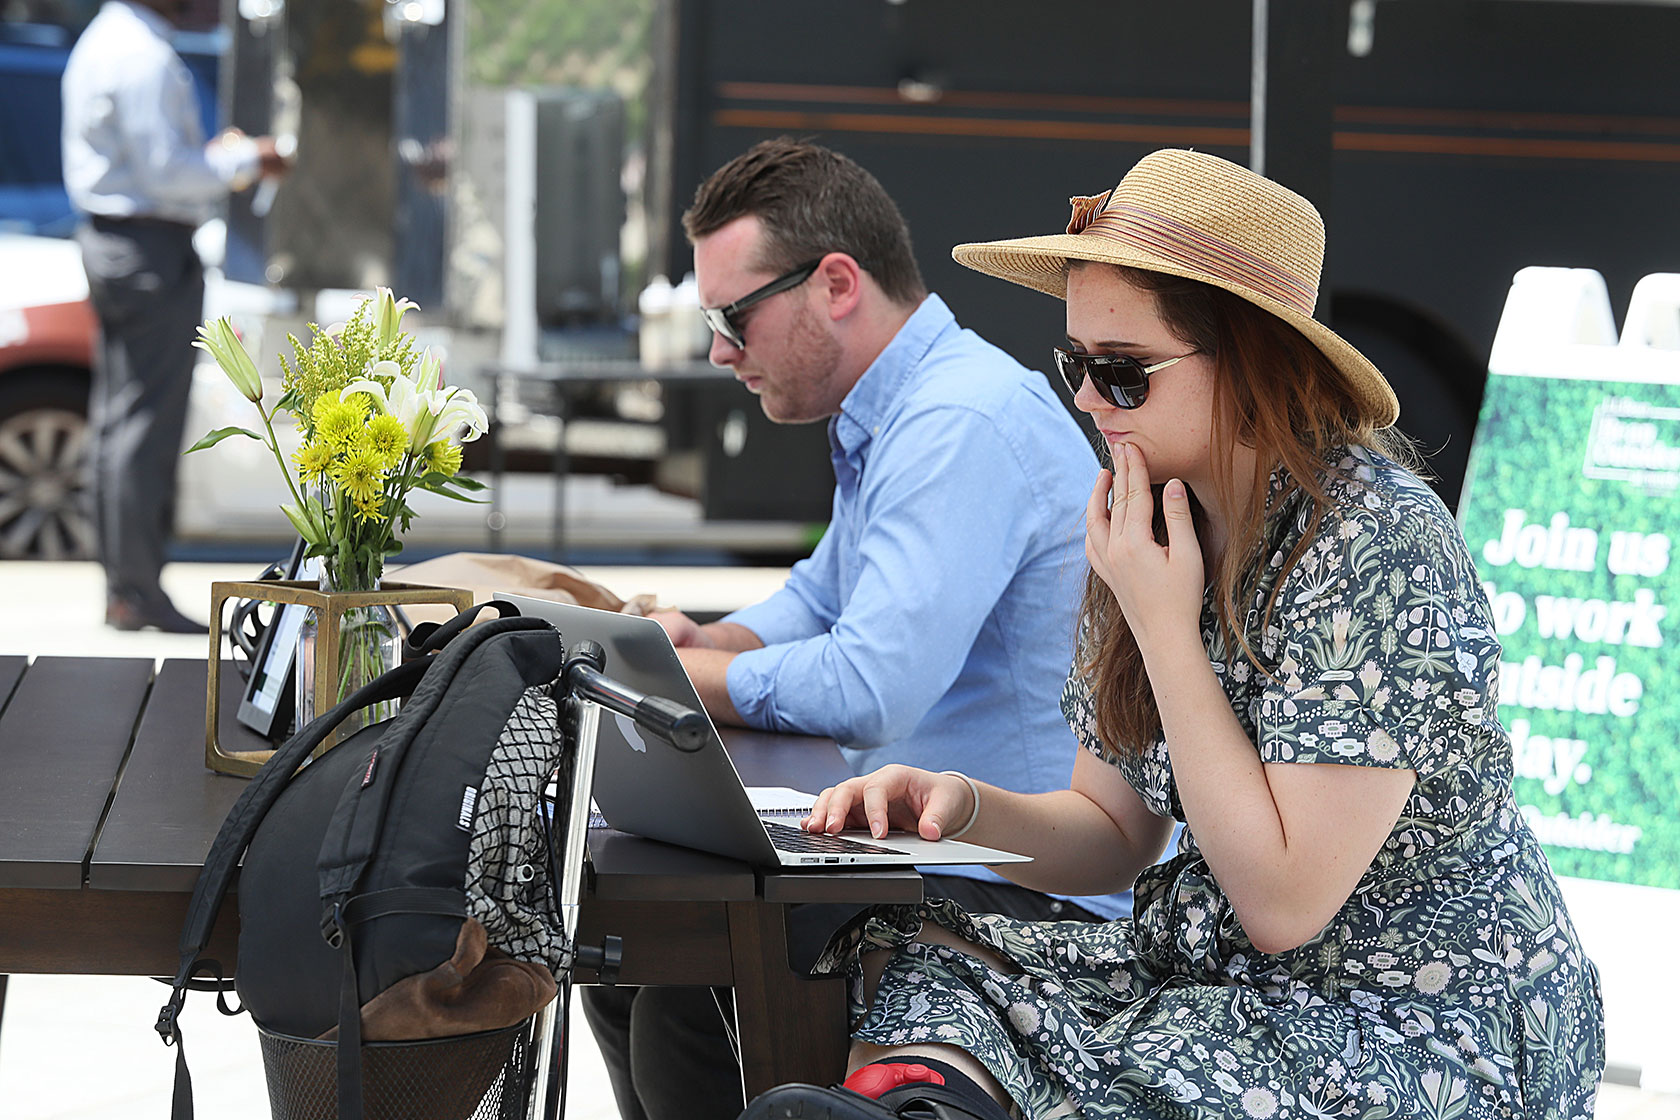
(1284, 644)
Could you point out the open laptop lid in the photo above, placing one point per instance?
(693, 798)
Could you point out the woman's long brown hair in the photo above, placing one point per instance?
(1275, 392)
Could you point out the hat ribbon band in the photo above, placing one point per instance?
(1194, 249)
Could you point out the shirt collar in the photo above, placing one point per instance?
(887, 377)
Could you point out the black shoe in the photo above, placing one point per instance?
(126, 614)
(921, 1100)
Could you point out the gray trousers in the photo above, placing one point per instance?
(147, 289)
(667, 1051)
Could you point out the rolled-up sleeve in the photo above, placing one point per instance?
(946, 511)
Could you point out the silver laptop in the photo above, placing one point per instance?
(647, 787)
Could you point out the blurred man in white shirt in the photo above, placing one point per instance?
(138, 169)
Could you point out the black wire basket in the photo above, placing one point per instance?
(485, 1076)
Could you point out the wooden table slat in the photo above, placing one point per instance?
(11, 670)
(885, 884)
(106, 933)
(635, 868)
(62, 738)
(169, 805)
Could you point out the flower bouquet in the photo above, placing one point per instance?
(376, 423)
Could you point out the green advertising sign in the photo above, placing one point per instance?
(1569, 509)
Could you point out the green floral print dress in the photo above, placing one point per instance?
(1451, 984)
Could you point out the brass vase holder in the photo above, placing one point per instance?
(330, 608)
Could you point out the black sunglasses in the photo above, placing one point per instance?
(1120, 379)
(722, 319)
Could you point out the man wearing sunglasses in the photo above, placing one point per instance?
(934, 623)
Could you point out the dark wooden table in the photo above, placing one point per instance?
(107, 811)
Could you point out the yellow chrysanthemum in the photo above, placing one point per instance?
(443, 457)
(359, 473)
(388, 437)
(338, 420)
(371, 510)
(323, 404)
(359, 440)
(313, 460)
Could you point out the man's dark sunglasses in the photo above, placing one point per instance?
(722, 319)
(1120, 379)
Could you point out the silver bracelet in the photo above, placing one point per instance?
(974, 792)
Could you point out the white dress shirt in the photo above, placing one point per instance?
(133, 142)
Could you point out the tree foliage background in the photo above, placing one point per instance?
(589, 43)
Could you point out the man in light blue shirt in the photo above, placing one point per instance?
(137, 167)
(934, 623)
(939, 605)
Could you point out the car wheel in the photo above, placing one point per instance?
(43, 444)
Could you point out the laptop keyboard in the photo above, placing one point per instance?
(789, 839)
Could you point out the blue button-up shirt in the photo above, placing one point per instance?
(934, 623)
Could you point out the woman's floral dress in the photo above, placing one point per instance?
(1451, 984)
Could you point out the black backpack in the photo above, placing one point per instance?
(360, 868)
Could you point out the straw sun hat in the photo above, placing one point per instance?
(1198, 216)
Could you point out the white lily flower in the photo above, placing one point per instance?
(455, 408)
(430, 375)
(429, 409)
(218, 339)
(388, 313)
(401, 400)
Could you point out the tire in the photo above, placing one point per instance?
(43, 447)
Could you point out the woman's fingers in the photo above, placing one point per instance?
(875, 809)
(829, 811)
(1125, 527)
(1122, 478)
(893, 796)
(1096, 508)
(865, 802)
(1140, 504)
(818, 816)
(1096, 522)
(1175, 507)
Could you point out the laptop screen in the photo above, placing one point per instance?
(643, 784)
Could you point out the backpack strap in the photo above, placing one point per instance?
(429, 637)
(230, 843)
(352, 835)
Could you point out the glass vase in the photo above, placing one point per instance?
(369, 643)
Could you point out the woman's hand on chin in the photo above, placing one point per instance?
(1159, 589)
